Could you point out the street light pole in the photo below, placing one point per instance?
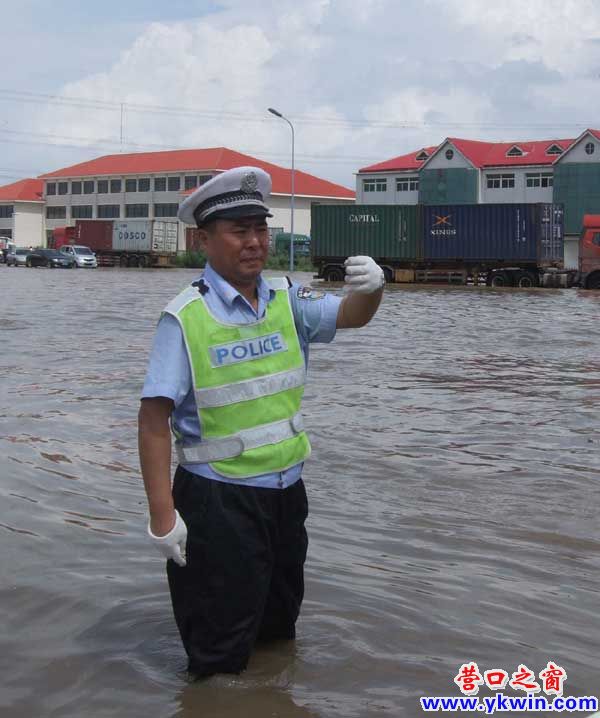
(278, 114)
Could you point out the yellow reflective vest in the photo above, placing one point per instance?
(248, 383)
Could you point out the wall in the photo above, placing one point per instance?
(120, 198)
(520, 192)
(440, 161)
(578, 153)
(577, 186)
(280, 205)
(449, 186)
(391, 195)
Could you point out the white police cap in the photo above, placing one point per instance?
(239, 192)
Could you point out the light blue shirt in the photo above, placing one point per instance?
(169, 374)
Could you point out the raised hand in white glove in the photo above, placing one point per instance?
(363, 275)
(172, 545)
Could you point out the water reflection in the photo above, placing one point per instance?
(453, 491)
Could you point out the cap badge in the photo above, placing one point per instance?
(249, 182)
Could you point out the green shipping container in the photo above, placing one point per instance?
(281, 244)
(381, 231)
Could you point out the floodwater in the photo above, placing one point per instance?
(454, 492)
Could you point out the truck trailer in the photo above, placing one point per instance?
(130, 243)
(498, 244)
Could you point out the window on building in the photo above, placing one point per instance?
(539, 179)
(115, 186)
(407, 184)
(88, 187)
(190, 181)
(51, 188)
(130, 185)
(6, 212)
(82, 211)
(449, 154)
(109, 211)
(515, 151)
(375, 185)
(102, 186)
(56, 212)
(144, 184)
(422, 156)
(75, 187)
(500, 181)
(136, 210)
(554, 150)
(203, 178)
(63, 188)
(166, 210)
(590, 148)
(160, 184)
(174, 184)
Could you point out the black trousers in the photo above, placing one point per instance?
(244, 579)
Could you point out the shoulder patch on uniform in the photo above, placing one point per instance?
(309, 293)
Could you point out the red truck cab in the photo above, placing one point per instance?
(589, 252)
(63, 235)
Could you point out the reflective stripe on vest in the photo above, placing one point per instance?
(250, 388)
(248, 384)
(211, 450)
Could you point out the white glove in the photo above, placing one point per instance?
(363, 275)
(172, 545)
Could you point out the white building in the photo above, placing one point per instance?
(151, 185)
(458, 171)
(21, 212)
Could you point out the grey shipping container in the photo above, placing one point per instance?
(132, 236)
(498, 233)
(164, 236)
(379, 231)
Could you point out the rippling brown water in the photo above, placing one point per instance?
(454, 492)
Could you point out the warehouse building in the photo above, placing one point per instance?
(22, 211)
(151, 185)
(147, 185)
(462, 171)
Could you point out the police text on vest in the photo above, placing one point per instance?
(247, 349)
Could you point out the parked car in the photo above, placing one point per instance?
(17, 257)
(6, 244)
(83, 256)
(48, 258)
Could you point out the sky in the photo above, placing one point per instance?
(361, 81)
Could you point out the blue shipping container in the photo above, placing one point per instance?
(493, 233)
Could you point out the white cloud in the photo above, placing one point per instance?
(555, 32)
(354, 67)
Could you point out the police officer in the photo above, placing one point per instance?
(226, 374)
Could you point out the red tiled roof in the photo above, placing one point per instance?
(404, 162)
(26, 190)
(534, 153)
(493, 154)
(208, 160)
(484, 154)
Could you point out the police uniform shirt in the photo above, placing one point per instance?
(169, 373)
